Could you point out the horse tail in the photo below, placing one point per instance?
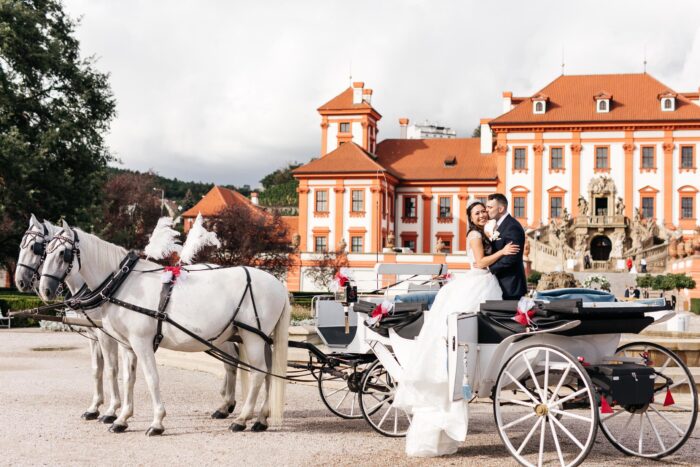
(279, 364)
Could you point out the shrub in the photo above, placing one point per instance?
(534, 277)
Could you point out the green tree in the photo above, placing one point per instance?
(55, 109)
(280, 187)
(646, 281)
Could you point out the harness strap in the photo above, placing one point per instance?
(165, 292)
(249, 328)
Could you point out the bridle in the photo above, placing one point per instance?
(69, 254)
(38, 248)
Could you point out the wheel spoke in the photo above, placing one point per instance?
(342, 400)
(396, 420)
(542, 432)
(663, 367)
(519, 420)
(556, 441)
(567, 398)
(518, 402)
(613, 415)
(534, 378)
(561, 381)
(546, 376)
(529, 435)
(379, 425)
(572, 415)
(656, 432)
(678, 383)
(352, 406)
(568, 433)
(641, 433)
(371, 409)
(675, 427)
(334, 392)
(523, 388)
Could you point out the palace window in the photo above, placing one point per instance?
(668, 104)
(344, 127)
(539, 107)
(356, 245)
(519, 159)
(519, 207)
(555, 206)
(320, 244)
(687, 157)
(409, 207)
(481, 199)
(603, 105)
(601, 158)
(556, 158)
(648, 207)
(358, 200)
(445, 207)
(410, 243)
(648, 161)
(687, 207)
(321, 200)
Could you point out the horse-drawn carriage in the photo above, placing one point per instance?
(553, 382)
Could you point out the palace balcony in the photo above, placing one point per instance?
(601, 221)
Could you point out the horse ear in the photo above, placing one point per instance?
(65, 225)
(34, 222)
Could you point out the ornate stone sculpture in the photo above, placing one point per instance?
(617, 239)
(673, 247)
(620, 207)
(601, 184)
(526, 249)
(390, 240)
(582, 206)
(342, 245)
(565, 215)
(696, 241)
(439, 245)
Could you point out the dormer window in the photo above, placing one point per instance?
(668, 101)
(539, 104)
(602, 102)
(450, 161)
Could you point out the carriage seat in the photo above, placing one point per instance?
(427, 298)
(585, 295)
(495, 320)
(405, 318)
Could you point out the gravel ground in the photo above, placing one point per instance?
(44, 392)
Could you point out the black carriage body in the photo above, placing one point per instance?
(626, 384)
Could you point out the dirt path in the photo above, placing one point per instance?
(43, 393)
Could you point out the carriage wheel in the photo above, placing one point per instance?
(340, 393)
(659, 428)
(544, 405)
(376, 403)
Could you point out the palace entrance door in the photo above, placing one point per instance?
(600, 248)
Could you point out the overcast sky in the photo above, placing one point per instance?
(227, 91)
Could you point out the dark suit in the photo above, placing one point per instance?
(509, 270)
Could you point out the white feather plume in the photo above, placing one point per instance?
(197, 238)
(163, 241)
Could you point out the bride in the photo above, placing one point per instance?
(439, 425)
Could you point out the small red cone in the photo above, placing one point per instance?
(669, 398)
(604, 406)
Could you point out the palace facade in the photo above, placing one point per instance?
(604, 164)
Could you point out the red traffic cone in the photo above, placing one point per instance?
(669, 398)
(604, 406)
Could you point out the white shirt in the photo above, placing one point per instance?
(500, 221)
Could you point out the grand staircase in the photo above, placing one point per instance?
(619, 281)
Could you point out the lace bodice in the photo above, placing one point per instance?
(488, 249)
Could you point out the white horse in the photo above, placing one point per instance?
(104, 352)
(206, 304)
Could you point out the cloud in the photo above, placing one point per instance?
(227, 91)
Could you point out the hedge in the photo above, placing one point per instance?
(15, 301)
(695, 305)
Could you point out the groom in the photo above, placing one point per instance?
(509, 270)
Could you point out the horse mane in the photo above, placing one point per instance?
(104, 254)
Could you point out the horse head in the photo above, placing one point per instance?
(62, 252)
(31, 253)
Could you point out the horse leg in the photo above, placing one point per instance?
(129, 361)
(144, 351)
(255, 352)
(228, 390)
(97, 364)
(110, 352)
(261, 424)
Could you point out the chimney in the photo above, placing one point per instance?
(403, 122)
(367, 96)
(254, 198)
(486, 136)
(507, 101)
(357, 88)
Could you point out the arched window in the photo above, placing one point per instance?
(539, 107)
(667, 104)
(602, 106)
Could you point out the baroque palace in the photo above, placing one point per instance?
(596, 166)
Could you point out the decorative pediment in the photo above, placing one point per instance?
(688, 189)
(602, 184)
(556, 190)
(519, 189)
(648, 189)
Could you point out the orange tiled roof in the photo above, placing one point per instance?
(218, 199)
(292, 223)
(635, 97)
(425, 159)
(343, 101)
(346, 158)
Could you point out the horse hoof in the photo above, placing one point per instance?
(259, 427)
(235, 427)
(231, 408)
(218, 415)
(154, 431)
(114, 428)
(90, 415)
(107, 418)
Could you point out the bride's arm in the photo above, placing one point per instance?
(481, 261)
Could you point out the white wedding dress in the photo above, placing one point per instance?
(439, 425)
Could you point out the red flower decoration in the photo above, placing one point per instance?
(342, 280)
(174, 269)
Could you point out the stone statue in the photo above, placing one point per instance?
(618, 243)
(390, 240)
(526, 249)
(342, 246)
(565, 215)
(637, 216)
(673, 247)
(582, 206)
(620, 207)
(439, 246)
(580, 243)
(296, 240)
(696, 241)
